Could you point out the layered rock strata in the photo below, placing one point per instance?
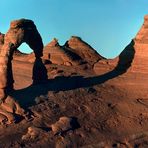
(133, 58)
(74, 52)
(59, 55)
(84, 50)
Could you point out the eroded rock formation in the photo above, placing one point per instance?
(142, 35)
(84, 50)
(137, 50)
(133, 58)
(64, 124)
(74, 52)
(20, 31)
(9, 110)
(140, 62)
(59, 55)
(122, 63)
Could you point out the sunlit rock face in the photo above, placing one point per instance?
(140, 62)
(74, 52)
(133, 58)
(142, 35)
(59, 55)
(84, 50)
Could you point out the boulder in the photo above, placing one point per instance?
(9, 109)
(64, 124)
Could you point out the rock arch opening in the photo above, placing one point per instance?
(24, 48)
(22, 67)
(21, 31)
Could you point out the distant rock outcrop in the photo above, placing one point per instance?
(74, 52)
(59, 55)
(84, 50)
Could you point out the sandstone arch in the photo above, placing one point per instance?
(20, 31)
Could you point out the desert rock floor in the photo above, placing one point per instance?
(109, 112)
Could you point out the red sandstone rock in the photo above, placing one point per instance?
(32, 133)
(8, 109)
(59, 55)
(81, 48)
(20, 31)
(64, 124)
(133, 58)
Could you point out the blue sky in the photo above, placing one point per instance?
(107, 25)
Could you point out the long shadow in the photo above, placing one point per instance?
(39, 74)
(27, 95)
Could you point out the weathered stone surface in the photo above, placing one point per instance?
(133, 58)
(32, 133)
(20, 31)
(140, 62)
(59, 55)
(75, 52)
(9, 109)
(24, 30)
(135, 53)
(142, 35)
(64, 124)
(82, 49)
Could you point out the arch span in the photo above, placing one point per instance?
(20, 31)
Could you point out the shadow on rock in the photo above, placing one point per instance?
(26, 96)
(39, 74)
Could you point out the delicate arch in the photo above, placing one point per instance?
(20, 31)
